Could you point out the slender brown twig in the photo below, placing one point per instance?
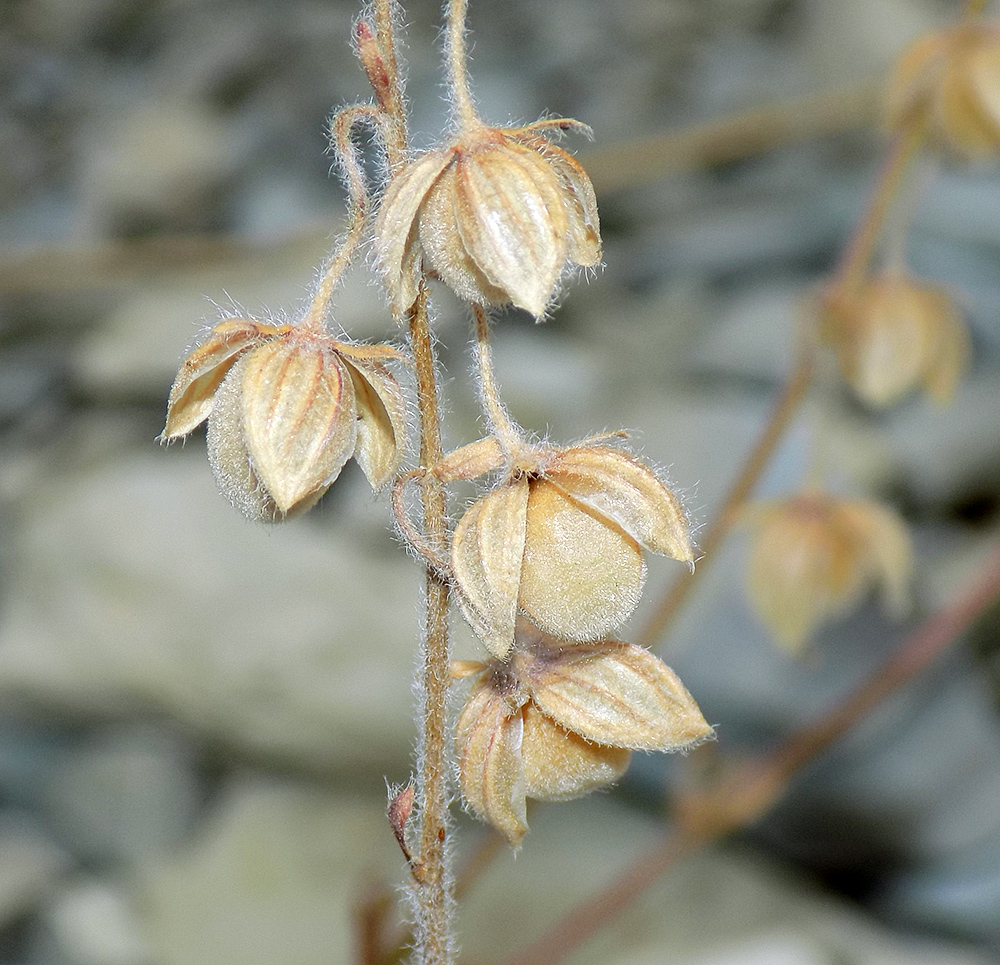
(749, 790)
(782, 413)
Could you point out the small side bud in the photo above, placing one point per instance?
(399, 810)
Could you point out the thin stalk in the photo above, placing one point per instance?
(783, 412)
(433, 884)
(496, 414)
(390, 91)
(350, 161)
(857, 255)
(750, 790)
(432, 876)
(458, 77)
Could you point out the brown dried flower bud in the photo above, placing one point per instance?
(562, 542)
(286, 408)
(893, 334)
(555, 722)
(953, 77)
(499, 216)
(815, 556)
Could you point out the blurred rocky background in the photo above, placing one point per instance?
(197, 715)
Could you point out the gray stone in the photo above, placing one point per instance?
(95, 922)
(273, 877)
(124, 795)
(141, 588)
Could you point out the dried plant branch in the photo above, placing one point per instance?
(350, 162)
(784, 411)
(857, 254)
(748, 791)
(648, 160)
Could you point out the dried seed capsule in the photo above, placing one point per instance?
(556, 721)
(563, 544)
(499, 216)
(814, 556)
(286, 408)
(893, 334)
(953, 77)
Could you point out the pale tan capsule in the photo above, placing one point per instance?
(560, 765)
(894, 334)
(563, 543)
(616, 693)
(814, 556)
(555, 721)
(953, 78)
(488, 738)
(286, 408)
(499, 216)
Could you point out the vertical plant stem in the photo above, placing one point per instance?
(431, 875)
(781, 416)
(496, 414)
(432, 878)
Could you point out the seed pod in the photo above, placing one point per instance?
(893, 334)
(564, 545)
(488, 736)
(814, 556)
(560, 765)
(556, 721)
(499, 216)
(952, 77)
(286, 408)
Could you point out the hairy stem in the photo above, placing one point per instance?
(496, 414)
(458, 77)
(742, 488)
(747, 792)
(430, 870)
(431, 875)
(347, 155)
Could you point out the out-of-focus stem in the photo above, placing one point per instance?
(857, 255)
(749, 790)
(781, 416)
